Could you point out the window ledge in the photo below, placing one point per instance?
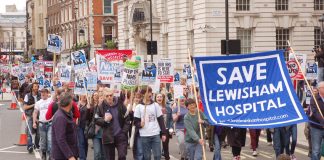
(246, 13)
(284, 13)
(317, 13)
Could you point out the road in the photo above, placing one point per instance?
(10, 123)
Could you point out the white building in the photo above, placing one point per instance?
(261, 25)
(12, 30)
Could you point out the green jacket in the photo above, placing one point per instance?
(192, 134)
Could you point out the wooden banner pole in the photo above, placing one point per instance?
(310, 88)
(196, 98)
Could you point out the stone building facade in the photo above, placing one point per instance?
(200, 26)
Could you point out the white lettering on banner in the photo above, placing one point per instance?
(239, 109)
(244, 93)
(236, 74)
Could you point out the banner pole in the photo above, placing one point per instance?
(305, 79)
(196, 99)
(54, 59)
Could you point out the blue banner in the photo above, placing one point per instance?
(248, 91)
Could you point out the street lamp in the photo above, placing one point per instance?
(151, 30)
(321, 20)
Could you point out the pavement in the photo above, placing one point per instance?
(10, 123)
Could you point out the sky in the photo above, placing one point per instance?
(20, 4)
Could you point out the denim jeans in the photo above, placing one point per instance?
(181, 140)
(45, 133)
(139, 149)
(151, 143)
(82, 144)
(217, 147)
(317, 136)
(291, 132)
(98, 151)
(279, 136)
(29, 129)
(194, 151)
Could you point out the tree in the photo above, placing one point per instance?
(111, 44)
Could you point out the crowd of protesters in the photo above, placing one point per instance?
(64, 123)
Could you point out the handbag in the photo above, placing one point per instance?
(90, 130)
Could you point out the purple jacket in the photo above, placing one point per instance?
(64, 136)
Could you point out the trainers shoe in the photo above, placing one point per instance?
(269, 143)
(293, 157)
(254, 153)
(30, 149)
(237, 158)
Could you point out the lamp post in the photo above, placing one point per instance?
(321, 20)
(227, 29)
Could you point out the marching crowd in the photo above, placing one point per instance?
(64, 123)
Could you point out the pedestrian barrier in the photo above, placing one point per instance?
(23, 135)
(13, 105)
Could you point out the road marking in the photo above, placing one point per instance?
(264, 155)
(13, 152)
(7, 148)
(246, 155)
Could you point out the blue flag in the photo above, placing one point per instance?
(248, 91)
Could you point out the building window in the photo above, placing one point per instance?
(242, 5)
(245, 35)
(108, 33)
(318, 5)
(22, 44)
(282, 36)
(281, 5)
(108, 6)
(139, 15)
(317, 37)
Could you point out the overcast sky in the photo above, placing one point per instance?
(19, 3)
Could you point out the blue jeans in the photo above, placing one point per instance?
(29, 129)
(139, 149)
(98, 149)
(291, 132)
(279, 141)
(194, 151)
(317, 136)
(45, 132)
(217, 148)
(151, 143)
(82, 144)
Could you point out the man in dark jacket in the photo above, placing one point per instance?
(115, 125)
(317, 125)
(29, 103)
(64, 133)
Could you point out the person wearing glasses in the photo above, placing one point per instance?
(115, 124)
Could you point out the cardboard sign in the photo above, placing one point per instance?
(165, 70)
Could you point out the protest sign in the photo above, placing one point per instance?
(40, 80)
(15, 70)
(308, 95)
(149, 73)
(39, 67)
(156, 86)
(106, 69)
(26, 68)
(79, 61)
(92, 65)
(294, 71)
(176, 78)
(117, 89)
(115, 55)
(178, 91)
(311, 70)
(65, 73)
(118, 73)
(165, 70)
(54, 43)
(47, 83)
(187, 71)
(4, 68)
(48, 69)
(130, 75)
(21, 78)
(242, 91)
(80, 88)
(91, 80)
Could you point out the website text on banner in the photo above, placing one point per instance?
(248, 91)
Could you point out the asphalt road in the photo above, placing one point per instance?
(10, 124)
